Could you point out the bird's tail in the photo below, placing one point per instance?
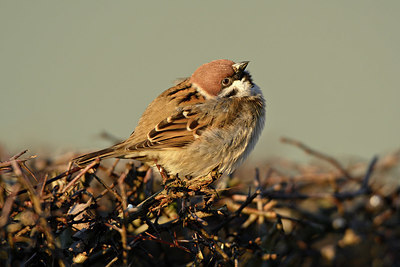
(84, 160)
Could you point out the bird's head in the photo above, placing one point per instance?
(223, 78)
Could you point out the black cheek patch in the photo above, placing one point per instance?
(231, 93)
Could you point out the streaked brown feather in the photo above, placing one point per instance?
(175, 131)
(102, 154)
(169, 102)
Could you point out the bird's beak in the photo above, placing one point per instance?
(239, 67)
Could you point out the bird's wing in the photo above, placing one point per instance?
(178, 130)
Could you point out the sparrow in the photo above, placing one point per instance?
(208, 122)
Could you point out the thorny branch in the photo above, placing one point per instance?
(124, 217)
(317, 154)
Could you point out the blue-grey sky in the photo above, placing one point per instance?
(71, 69)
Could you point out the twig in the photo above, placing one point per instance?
(108, 188)
(18, 155)
(231, 205)
(364, 189)
(369, 172)
(237, 212)
(317, 154)
(124, 215)
(52, 243)
(85, 170)
(112, 261)
(42, 183)
(5, 211)
(7, 163)
(216, 246)
(144, 206)
(58, 177)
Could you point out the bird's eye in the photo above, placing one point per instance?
(226, 82)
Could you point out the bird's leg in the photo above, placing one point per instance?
(162, 172)
(215, 175)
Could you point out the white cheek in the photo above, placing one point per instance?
(242, 87)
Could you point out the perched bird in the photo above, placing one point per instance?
(208, 122)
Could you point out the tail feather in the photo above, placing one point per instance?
(102, 154)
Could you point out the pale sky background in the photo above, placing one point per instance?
(330, 70)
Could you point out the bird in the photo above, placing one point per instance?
(208, 122)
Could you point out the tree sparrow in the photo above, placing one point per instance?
(208, 122)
